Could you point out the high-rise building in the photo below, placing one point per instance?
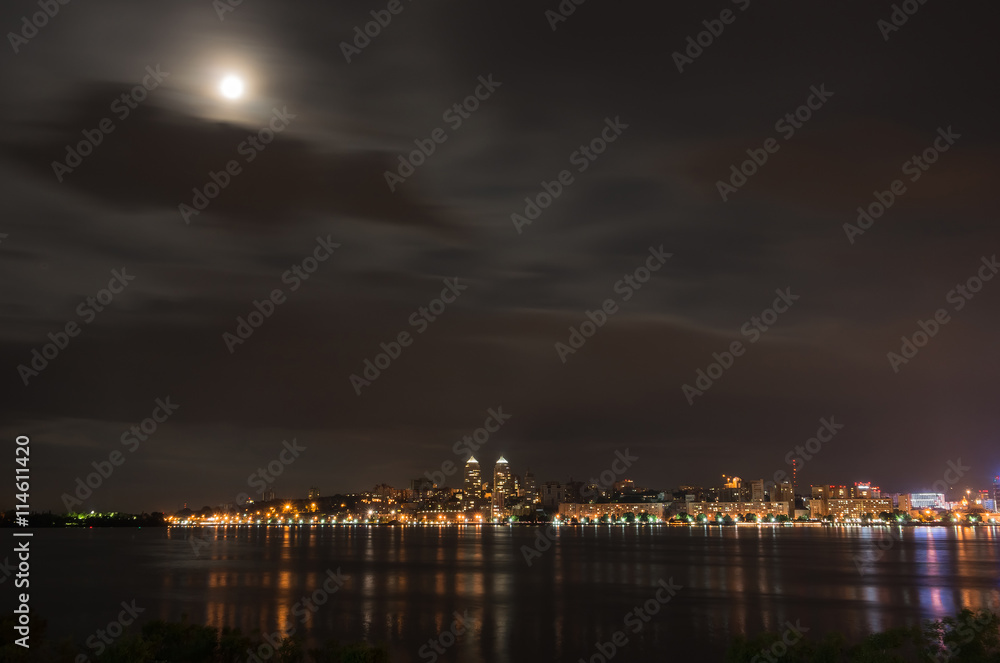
(757, 490)
(783, 492)
(473, 480)
(996, 493)
(502, 486)
(530, 487)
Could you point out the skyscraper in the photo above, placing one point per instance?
(501, 486)
(473, 480)
(530, 487)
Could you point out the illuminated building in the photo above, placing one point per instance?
(864, 490)
(830, 492)
(843, 504)
(502, 486)
(421, 488)
(783, 492)
(473, 480)
(732, 490)
(739, 509)
(624, 487)
(530, 487)
(927, 500)
(856, 508)
(611, 510)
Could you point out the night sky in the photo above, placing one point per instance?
(678, 133)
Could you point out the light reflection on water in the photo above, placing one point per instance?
(403, 585)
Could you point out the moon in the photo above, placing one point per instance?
(231, 87)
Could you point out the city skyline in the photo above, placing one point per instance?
(469, 481)
(312, 296)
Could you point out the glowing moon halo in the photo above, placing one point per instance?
(231, 87)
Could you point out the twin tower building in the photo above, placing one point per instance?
(501, 492)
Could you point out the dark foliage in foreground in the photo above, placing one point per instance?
(163, 642)
(969, 637)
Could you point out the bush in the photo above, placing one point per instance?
(970, 637)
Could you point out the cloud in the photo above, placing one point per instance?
(155, 157)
